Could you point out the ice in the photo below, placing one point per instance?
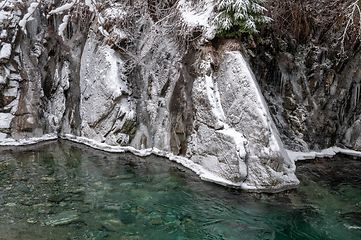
(199, 170)
(29, 141)
(203, 173)
(328, 152)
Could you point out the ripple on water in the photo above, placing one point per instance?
(61, 190)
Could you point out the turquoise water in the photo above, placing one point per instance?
(60, 190)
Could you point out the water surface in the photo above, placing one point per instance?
(62, 190)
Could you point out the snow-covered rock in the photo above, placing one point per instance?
(233, 134)
(5, 52)
(144, 87)
(352, 137)
(106, 110)
(11, 92)
(5, 120)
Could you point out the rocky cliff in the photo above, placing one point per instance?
(308, 64)
(124, 74)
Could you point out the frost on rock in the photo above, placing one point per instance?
(28, 16)
(200, 15)
(107, 112)
(5, 120)
(5, 52)
(352, 138)
(126, 84)
(233, 135)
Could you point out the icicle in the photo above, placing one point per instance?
(282, 83)
(355, 95)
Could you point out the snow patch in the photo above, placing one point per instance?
(63, 26)
(241, 143)
(5, 120)
(203, 173)
(103, 32)
(61, 9)
(5, 52)
(90, 3)
(2, 136)
(199, 15)
(198, 169)
(28, 16)
(29, 141)
(328, 152)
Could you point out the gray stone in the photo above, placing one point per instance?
(5, 52)
(247, 148)
(63, 218)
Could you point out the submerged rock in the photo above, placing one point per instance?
(63, 218)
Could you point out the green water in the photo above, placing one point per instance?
(59, 190)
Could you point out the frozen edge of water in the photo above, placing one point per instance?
(28, 141)
(198, 169)
(328, 152)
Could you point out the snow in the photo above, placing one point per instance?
(240, 142)
(213, 93)
(103, 32)
(63, 25)
(115, 73)
(2, 136)
(62, 8)
(3, 34)
(203, 173)
(5, 52)
(5, 120)
(4, 15)
(29, 141)
(2, 80)
(12, 91)
(198, 169)
(90, 3)
(328, 152)
(200, 15)
(27, 17)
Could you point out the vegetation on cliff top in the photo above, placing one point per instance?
(239, 16)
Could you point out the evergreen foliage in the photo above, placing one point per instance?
(239, 16)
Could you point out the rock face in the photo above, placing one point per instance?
(310, 78)
(233, 135)
(121, 76)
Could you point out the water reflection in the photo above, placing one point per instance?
(60, 190)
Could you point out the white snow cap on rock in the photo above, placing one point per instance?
(199, 15)
(5, 51)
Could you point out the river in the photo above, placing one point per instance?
(63, 190)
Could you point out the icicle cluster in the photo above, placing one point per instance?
(238, 16)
